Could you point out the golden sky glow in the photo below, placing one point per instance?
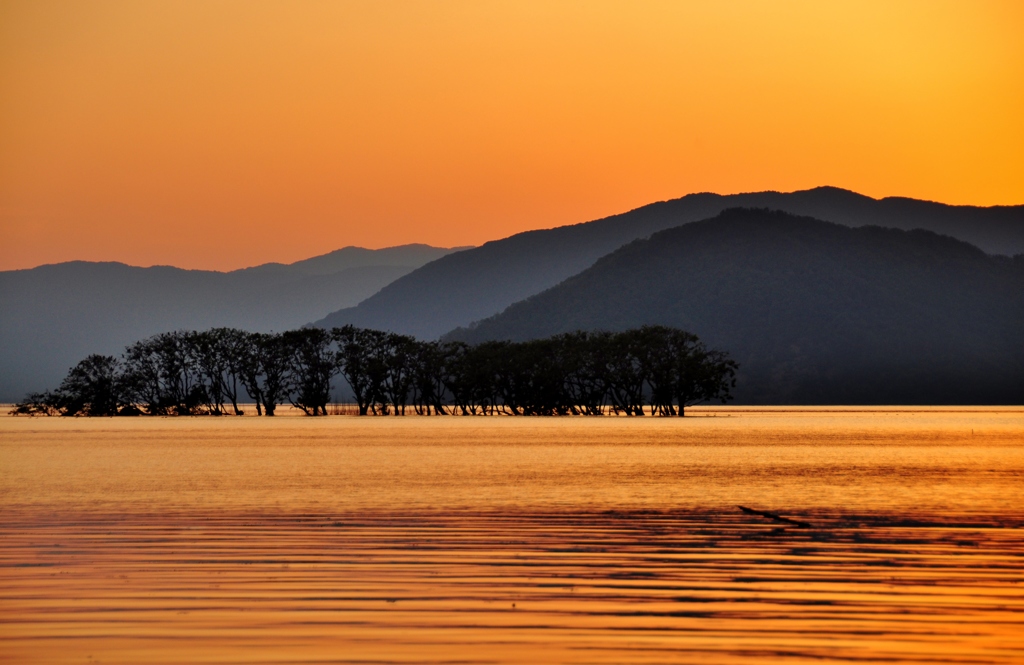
(223, 134)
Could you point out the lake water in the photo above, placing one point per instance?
(515, 540)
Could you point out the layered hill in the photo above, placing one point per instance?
(54, 315)
(814, 312)
(464, 287)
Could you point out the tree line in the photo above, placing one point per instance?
(214, 372)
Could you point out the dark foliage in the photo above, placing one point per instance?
(93, 387)
(200, 373)
(312, 363)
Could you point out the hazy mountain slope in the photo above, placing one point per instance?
(468, 286)
(56, 314)
(814, 312)
(404, 256)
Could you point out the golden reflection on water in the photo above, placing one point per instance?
(510, 540)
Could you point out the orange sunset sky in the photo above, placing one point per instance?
(224, 134)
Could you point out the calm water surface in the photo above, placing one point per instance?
(504, 540)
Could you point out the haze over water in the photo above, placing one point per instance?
(496, 539)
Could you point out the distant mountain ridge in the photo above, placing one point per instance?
(346, 258)
(814, 312)
(56, 314)
(471, 285)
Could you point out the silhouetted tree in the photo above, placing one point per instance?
(262, 369)
(585, 361)
(219, 353)
(456, 377)
(312, 364)
(274, 365)
(398, 355)
(163, 375)
(250, 368)
(704, 376)
(38, 404)
(626, 372)
(93, 387)
(428, 378)
(359, 360)
(660, 350)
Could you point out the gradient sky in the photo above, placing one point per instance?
(224, 134)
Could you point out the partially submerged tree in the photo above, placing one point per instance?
(93, 387)
(199, 373)
(219, 353)
(272, 378)
(313, 363)
(359, 364)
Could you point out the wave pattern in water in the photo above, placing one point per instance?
(504, 540)
(606, 587)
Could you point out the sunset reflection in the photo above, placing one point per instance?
(515, 540)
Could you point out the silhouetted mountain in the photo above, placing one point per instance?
(814, 312)
(54, 315)
(468, 286)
